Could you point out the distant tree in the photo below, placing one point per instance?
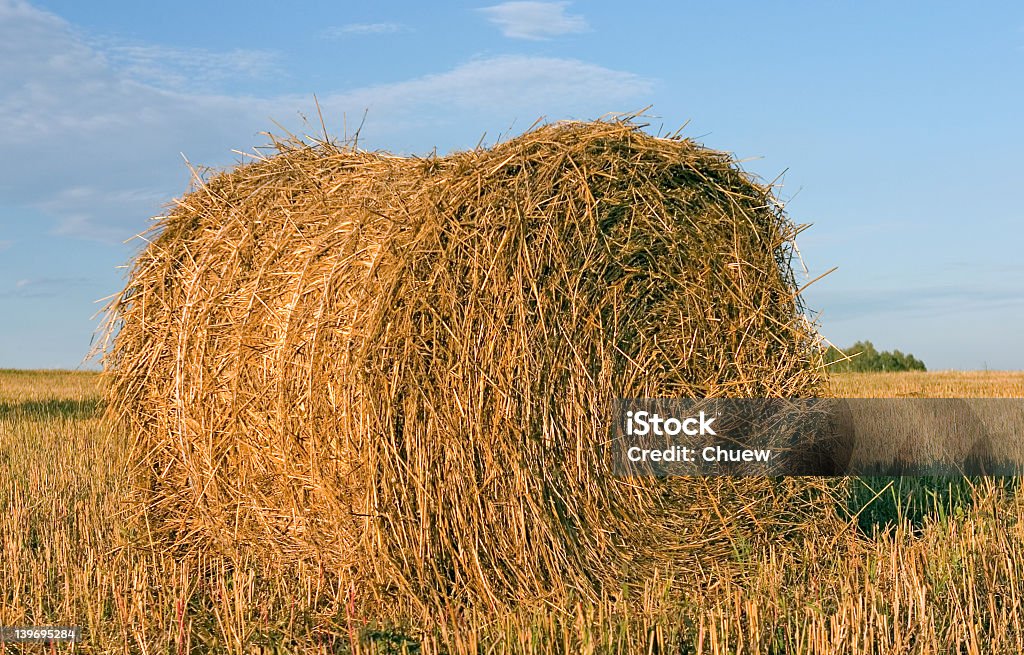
(862, 357)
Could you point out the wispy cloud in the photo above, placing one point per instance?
(505, 83)
(364, 29)
(42, 287)
(4, 245)
(118, 128)
(535, 20)
(185, 67)
(81, 210)
(860, 304)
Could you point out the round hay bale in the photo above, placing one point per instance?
(404, 368)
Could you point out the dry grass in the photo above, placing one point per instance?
(931, 384)
(401, 371)
(71, 553)
(967, 428)
(74, 549)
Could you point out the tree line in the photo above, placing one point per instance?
(862, 357)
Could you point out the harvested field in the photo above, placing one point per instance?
(936, 384)
(946, 579)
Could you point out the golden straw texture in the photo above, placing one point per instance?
(403, 368)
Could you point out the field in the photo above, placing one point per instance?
(929, 566)
(947, 384)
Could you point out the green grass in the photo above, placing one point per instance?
(881, 503)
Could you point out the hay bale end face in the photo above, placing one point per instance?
(401, 368)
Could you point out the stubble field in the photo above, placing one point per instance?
(912, 566)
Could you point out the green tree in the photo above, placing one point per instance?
(862, 357)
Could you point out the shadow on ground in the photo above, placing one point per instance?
(881, 503)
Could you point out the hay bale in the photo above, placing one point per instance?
(403, 368)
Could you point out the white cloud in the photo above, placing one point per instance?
(525, 19)
(185, 67)
(4, 245)
(362, 29)
(82, 210)
(98, 141)
(75, 121)
(511, 83)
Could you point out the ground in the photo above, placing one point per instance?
(922, 566)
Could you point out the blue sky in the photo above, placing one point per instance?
(897, 126)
